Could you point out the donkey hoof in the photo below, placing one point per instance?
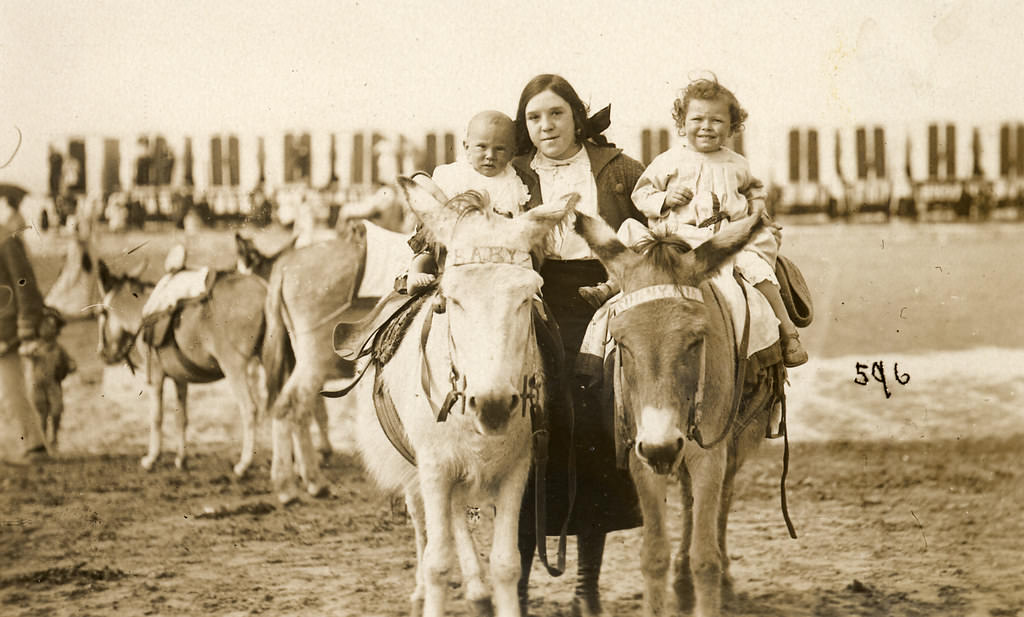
(147, 462)
(416, 607)
(287, 498)
(240, 470)
(325, 454)
(319, 491)
(181, 463)
(483, 607)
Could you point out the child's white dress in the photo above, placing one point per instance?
(506, 190)
(723, 173)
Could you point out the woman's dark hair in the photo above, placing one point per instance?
(561, 87)
(708, 90)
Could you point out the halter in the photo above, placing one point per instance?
(530, 393)
(124, 353)
(696, 412)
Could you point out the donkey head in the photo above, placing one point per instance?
(659, 327)
(120, 312)
(250, 260)
(488, 288)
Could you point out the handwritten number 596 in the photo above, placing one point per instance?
(878, 373)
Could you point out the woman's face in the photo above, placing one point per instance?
(550, 125)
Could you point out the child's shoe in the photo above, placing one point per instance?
(793, 353)
(597, 295)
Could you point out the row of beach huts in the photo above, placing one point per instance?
(943, 169)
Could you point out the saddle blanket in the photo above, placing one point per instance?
(172, 288)
(387, 255)
(764, 325)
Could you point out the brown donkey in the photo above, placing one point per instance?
(675, 389)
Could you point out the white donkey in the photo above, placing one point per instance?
(473, 345)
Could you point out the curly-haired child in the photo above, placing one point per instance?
(690, 190)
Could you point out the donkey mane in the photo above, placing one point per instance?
(469, 203)
(664, 252)
(132, 281)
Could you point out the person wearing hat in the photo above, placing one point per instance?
(21, 309)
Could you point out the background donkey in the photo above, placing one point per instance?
(217, 337)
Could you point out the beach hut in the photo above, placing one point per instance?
(942, 158)
(809, 185)
(863, 165)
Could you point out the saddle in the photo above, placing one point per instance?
(355, 339)
(795, 293)
(169, 296)
(160, 316)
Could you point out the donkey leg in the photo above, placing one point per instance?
(241, 388)
(655, 551)
(476, 591)
(437, 554)
(705, 551)
(682, 580)
(506, 561)
(156, 422)
(181, 415)
(306, 457)
(728, 485)
(414, 504)
(323, 444)
(281, 474)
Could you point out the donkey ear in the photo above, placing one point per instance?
(616, 256)
(289, 245)
(139, 268)
(427, 201)
(106, 277)
(542, 219)
(723, 245)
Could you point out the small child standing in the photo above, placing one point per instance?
(47, 364)
(489, 146)
(690, 190)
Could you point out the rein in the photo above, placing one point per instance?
(696, 411)
(695, 414)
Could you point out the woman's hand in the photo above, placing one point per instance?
(677, 198)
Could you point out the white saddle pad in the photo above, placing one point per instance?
(174, 287)
(387, 256)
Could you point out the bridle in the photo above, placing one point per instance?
(696, 410)
(124, 349)
(529, 394)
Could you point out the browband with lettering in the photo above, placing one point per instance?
(655, 292)
(488, 255)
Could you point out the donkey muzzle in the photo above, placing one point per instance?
(493, 408)
(660, 455)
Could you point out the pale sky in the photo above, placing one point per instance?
(117, 67)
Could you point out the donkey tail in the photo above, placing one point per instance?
(278, 357)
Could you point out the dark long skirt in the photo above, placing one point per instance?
(606, 499)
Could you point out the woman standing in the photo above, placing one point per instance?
(21, 309)
(564, 149)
